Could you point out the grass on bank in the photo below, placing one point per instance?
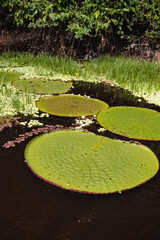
(135, 74)
(139, 76)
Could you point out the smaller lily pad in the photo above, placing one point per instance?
(42, 86)
(131, 122)
(8, 76)
(70, 105)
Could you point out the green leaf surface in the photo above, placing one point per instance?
(8, 76)
(42, 86)
(89, 163)
(132, 122)
(70, 105)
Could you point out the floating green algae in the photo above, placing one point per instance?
(70, 105)
(132, 122)
(42, 86)
(8, 76)
(89, 163)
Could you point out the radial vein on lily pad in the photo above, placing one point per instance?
(89, 163)
(69, 105)
(132, 122)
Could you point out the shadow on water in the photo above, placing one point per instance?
(31, 209)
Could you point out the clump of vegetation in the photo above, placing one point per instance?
(126, 19)
(14, 102)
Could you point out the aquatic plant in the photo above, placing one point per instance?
(8, 122)
(89, 163)
(42, 86)
(132, 122)
(83, 122)
(70, 105)
(24, 136)
(13, 102)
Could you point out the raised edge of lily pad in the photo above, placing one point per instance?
(69, 105)
(132, 122)
(42, 86)
(89, 163)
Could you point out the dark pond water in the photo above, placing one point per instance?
(31, 209)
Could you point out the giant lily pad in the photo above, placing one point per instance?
(132, 122)
(8, 76)
(42, 86)
(86, 162)
(70, 105)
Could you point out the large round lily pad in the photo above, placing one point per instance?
(132, 122)
(8, 76)
(70, 105)
(42, 86)
(86, 162)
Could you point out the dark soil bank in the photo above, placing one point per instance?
(58, 41)
(31, 209)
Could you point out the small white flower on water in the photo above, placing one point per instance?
(34, 123)
(35, 115)
(101, 129)
(44, 115)
(23, 123)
